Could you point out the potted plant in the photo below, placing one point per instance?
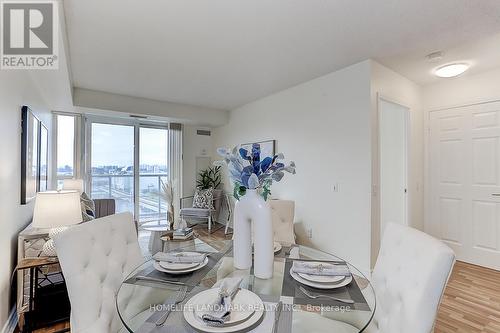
(209, 178)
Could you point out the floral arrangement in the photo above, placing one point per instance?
(248, 171)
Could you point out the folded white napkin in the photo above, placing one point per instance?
(180, 257)
(219, 311)
(316, 268)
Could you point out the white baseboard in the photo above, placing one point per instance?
(11, 324)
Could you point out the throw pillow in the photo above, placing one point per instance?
(88, 207)
(203, 199)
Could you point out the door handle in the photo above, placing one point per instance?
(496, 194)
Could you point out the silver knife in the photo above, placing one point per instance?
(279, 308)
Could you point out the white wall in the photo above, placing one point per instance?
(193, 146)
(103, 103)
(324, 126)
(16, 89)
(397, 88)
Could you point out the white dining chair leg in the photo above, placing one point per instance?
(209, 223)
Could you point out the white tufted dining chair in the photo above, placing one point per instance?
(95, 257)
(409, 279)
(283, 213)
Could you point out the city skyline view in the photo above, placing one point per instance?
(113, 148)
(112, 165)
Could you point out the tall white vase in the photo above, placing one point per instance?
(252, 208)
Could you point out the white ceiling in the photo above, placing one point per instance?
(225, 53)
(482, 54)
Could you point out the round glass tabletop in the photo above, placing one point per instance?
(147, 293)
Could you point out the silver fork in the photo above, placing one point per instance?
(314, 296)
(178, 299)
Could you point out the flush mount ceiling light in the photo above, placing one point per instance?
(451, 70)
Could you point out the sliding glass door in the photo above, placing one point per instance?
(128, 163)
(153, 170)
(112, 168)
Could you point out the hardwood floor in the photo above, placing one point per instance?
(471, 303)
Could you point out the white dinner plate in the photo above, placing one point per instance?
(242, 300)
(340, 284)
(322, 278)
(158, 267)
(177, 266)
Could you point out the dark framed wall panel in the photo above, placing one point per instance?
(31, 159)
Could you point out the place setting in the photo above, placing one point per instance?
(322, 283)
(178, 268)
(182, 262)
(225, 308)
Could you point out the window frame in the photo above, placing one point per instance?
(88, 120)
(77, 147)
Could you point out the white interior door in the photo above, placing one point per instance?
(393, 155)
(464, 176)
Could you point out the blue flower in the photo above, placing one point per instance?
(244, 154)
(247, 170)
(265, 164)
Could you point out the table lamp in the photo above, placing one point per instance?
(56, 210)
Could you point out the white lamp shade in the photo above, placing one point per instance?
(73, 185)
(57, 209)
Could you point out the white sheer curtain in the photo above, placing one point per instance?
(175, 162)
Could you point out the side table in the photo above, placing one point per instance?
(157, 230)
(48, 301)
(42, 298)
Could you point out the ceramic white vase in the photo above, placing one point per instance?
(253, 209)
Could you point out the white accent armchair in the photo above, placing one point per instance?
(95, 257)
(202, 214)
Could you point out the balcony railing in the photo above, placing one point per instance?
(151, 204)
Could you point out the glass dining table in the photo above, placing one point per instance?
(142, 296)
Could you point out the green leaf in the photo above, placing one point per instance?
(242, 190)
(236, 190)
